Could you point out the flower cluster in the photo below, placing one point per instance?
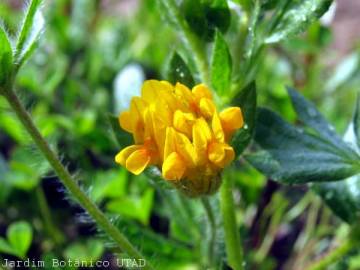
(180, 131)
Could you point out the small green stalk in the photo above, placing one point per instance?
(232, 236)
(68, 181)
(332, 257)
(46, 216)
(212, 222)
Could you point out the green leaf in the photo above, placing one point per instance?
(6, 248)
(246, 100)
(221, 65)
(194, 14)
(6, 57)
(22, 176)
(252, 40)
(293, 17)
(204, 17)
(169, 251)
(344, 197)
(309, 115)
(27, 166)
(294, 156)
(217, 15)
(134, 207)
(109, 184)
(178, 71)
(20, 236)
(90, 251)
(12, 127)
(122, 137)
(30, 31)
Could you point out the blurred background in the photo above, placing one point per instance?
(93, 56)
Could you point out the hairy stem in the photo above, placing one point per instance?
(232, 236)
(332, 257)
(211, 218)
(68, 180)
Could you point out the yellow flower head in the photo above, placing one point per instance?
(180, 131)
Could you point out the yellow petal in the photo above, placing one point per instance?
(159, 121)
(216, 152)
(167, 95)
(149, 90)
(122, 156)
(183, 94)
(201, 137)
(148, 122)
(173, 167)
(168, 86)
(137, 161)
(185, 149)
(231, 118)
(157, 91)
(207, 107)
(170, 142)
(217, 128)
(125, 121)
(137, 106)
(129, 120)
(137, 110)
(183, 122)
(177, 142)
(201, 91)
(139, 132)
(221, 154)
(229, 156)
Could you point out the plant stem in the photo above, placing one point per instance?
(68, 180)
(232, 236)
(192, 42)
(210, 216)
(188, 214)
(332, 256)
(46, 215)
(275, 210)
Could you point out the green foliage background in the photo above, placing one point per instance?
(69, 86)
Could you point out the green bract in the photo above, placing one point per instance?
(178, 71)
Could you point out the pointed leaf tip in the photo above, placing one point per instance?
(30, 31)
(6, 57)
(221, 65)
